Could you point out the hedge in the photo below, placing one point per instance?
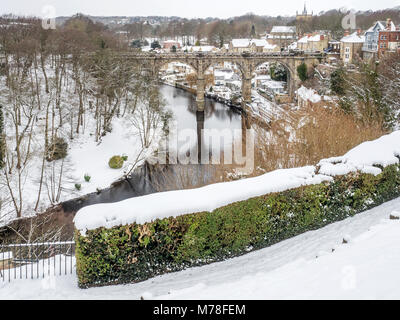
(133, 253)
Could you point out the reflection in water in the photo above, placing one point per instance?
(153, 178)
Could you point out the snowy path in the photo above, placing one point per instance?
(365, 268)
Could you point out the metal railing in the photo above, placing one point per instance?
(36, 260)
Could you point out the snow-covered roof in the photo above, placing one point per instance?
(381, 25)
(240, 43)
(199, 48)
(259, 42)
(353, 38)
(311, 38)
(269, 46)
(292, 45)
(283, 29)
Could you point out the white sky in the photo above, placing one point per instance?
(184, 8)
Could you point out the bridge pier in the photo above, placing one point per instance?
(246, 92)
(200, 94)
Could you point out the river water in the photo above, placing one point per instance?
(148, 178)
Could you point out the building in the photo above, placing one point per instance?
(304, 16)
(389, 39)
(251, 45)
(333, 46)
(282, 36)
(169, 44)
(315, 42)
(351, 46)
(370, 47)
(257, 45)
(199, 49)
(239, 45)
(271, 48)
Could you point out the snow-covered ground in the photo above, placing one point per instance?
(303, 267)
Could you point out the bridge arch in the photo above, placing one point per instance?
(246, 63)
(290, 73)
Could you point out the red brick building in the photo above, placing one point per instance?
(389, 39)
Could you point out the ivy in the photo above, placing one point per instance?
(135, 252)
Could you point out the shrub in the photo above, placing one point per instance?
(302, 72)
(125, 157)
(87, 177)
(57, 149)
(78, 186)
(116, 162)
(134, 252)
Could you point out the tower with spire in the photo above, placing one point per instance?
(304, 16)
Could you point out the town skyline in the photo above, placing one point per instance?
(179, 8)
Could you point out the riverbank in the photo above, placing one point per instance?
(144, 180)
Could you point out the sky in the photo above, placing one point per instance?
(182, 8)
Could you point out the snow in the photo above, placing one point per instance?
(353, 38)
(6, 256)
(364, 268)
(311, 38)
(87, 157)
(308, 94)
(293, 46)
(283, 29)
(174, 203)
(383, 151)
(270, 46)
(240, 43)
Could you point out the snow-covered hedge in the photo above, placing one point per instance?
(151, 235)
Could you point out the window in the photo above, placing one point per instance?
(347, 49)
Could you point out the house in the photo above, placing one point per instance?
(257, 45)
(239, 45)
(250, 45)
(169, 44)
(271, 48)
(389, 39)
(370, 47)
(313, 42)
(199, 49)
(333, 46)
(282, 36)
(351, 46)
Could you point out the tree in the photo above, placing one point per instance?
(337, 82)
(302, 72)
(155, 45)
(389, 71)
(2, 138)
(278, 72)
(253, 32)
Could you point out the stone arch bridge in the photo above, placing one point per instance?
(246, 62)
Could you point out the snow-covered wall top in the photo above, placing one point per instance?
(382, 151)
(174, 203)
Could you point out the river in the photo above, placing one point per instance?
(149, 179)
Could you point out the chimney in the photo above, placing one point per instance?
(346, 33)
(358, 32)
